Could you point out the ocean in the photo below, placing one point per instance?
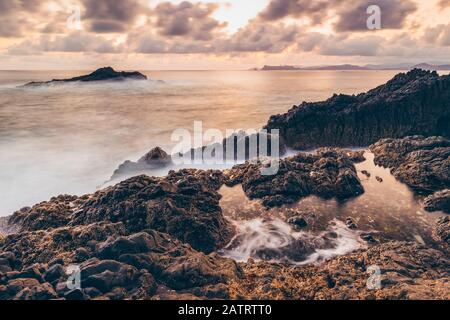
(69, 139)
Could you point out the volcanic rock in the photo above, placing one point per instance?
(49, 214)
(442, 230)
(155, 158)
(439, 201)
(298, 221)
(422, 163)
(184, 204)
(415, 103)
(329, 174)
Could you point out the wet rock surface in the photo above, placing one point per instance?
(415, 103)
(421, 163)
(406, 271)
(439, 201)
(329, 173)
(442, 230)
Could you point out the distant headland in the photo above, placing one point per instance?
(351, 67)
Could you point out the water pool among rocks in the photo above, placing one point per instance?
(314, 229)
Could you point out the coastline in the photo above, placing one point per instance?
(159, 238)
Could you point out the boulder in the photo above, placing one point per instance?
(442, 230)
(421, 163)
(329, 173)
(54, 273)
(106, 275)
(155, 158)
(176, 265)
(14, 286)
(439, 201)
(39, 292)
(298, 222)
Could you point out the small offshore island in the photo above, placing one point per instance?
(102, 74)
(165, 237)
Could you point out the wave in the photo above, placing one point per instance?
(276, 241)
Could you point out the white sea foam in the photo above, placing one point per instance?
(256, 236)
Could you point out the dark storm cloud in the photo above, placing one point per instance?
(255, 37)
(111, 15)
(352, 15)
(278, 9)
(115, 10)
(393, 14)
(190, 20)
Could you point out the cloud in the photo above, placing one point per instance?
(319, 28)
(189, 20)
(279, 9)
(351, 15)
(15, 16)
(438, 35)
(110, 16)
(340, 46)
(151, 44)
(74, 42)
(261, 37)
(393, 14)
(12, 27)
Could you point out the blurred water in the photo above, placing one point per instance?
(388, 210)
(69, 139)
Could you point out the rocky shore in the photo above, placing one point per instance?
(158, 238)
(413, 103)
(161, 237)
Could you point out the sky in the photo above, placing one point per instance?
(228, 34)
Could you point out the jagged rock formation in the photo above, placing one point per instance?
(240, 146)
(415, 103)
(422, 163)
(184, 204)
(155, 158)
(329, 173)
(102, 74)
(130, 241)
